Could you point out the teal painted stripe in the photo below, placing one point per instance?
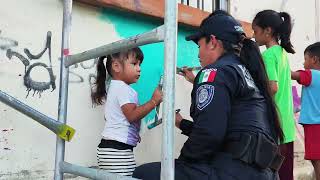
(128, 24)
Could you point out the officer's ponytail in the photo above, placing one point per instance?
(251, 57)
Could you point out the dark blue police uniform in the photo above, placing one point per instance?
(230, 127)
(232, 135)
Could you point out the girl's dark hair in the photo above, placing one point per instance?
(313, 50)
(280, 24)
(98, 93)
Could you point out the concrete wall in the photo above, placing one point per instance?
(302, 13)
(26, 148)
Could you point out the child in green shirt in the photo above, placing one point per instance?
(273, 29)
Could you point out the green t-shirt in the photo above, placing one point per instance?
(278, 69)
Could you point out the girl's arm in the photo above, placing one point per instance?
(303, 77)
(135, 113)
(270, 60)
(295, 75)
(274, 87)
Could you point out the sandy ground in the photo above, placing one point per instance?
(303, 169)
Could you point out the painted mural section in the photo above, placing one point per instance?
(127, 25)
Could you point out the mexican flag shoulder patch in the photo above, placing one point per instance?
(207, 75)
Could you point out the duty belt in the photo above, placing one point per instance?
(255, 150)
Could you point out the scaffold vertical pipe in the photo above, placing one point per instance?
(63, 88)
(170, 42)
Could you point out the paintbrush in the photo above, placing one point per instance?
(156, 123)
(180, 69)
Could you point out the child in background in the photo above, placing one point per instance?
(309, 78)
(122, 111)
(273, 29)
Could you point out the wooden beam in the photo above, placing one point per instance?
(187, 15)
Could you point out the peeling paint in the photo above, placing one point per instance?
(6, 43)
(185, 15)
(70, 176)
(7, 129)
(137, 5)
(27, 174)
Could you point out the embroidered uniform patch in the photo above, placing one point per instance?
(207, 75)
(205, 95)
(248, 77)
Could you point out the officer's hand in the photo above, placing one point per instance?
(157, 96)
(187, 74)
(178, 120)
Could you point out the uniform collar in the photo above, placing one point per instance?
(227, 58)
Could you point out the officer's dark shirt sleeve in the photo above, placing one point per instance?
(206, 134)
(186, 127)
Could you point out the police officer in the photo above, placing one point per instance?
(235, 127)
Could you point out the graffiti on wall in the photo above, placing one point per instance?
(6, 43)
(26, 58)
(78, 78)
(30, 61)
(91, 64)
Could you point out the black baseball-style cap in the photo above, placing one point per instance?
(223, 26)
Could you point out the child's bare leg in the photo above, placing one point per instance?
(316, 165)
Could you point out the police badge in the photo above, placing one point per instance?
(205, 95)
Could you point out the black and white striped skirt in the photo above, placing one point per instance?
(114, 159)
